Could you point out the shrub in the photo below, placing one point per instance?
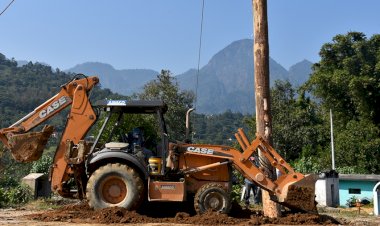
(3, 198)
(42, 165)
(8, 181)
(238, 183)
(351, 202)
(15, 195)
(20, 194)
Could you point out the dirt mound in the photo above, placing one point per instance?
(210, 218)
(79, 206)
(81, 213)
(296, 219)
(119, 215)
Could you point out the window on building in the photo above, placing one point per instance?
(354, 191)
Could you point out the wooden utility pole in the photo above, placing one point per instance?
(262, 93)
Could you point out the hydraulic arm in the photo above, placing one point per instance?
(290, 189)
(27, 146)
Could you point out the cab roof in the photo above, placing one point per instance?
(133, 106)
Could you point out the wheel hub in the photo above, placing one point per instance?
(113, 190)
(214, 201)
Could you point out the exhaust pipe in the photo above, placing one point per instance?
(188, 123)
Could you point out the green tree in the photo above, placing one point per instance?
(358, 147)
(166, 88)
(297, 121)
(347, 79)
(42, 165)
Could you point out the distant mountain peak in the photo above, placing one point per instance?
(126, 82)
(300, 72)
(97, 65)
(303, 62)
(225, 83)
(233, 50)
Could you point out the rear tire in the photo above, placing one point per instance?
(115, 185)
(212, 197)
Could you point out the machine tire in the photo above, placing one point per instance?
(212, 196)
(115, 185)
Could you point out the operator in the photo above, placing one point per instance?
(138, 140)
(251, 186)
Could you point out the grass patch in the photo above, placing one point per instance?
(49, 203)
(352, 212)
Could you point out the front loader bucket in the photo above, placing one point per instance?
(300, 195)
(28, 147)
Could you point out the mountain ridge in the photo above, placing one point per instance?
(226, 82)
(128, 82)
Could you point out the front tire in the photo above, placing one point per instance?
(115, 185)
(212, 196)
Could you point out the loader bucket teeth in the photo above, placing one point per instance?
(300, 195)
(28, 147)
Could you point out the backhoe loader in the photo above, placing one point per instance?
(117, 171)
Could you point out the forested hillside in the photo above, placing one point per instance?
(218, 128)
(24, 88)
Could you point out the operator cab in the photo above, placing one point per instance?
(121, 131)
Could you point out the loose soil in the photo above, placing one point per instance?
(171, 213)
(301, 198)
(177, 214)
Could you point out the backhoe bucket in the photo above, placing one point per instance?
(300, 195)
(28, 147)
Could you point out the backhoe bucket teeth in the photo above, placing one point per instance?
(28, 147)
(300, 195)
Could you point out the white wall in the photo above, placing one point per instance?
(327, 191)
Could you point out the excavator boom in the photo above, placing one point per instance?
(28, 146)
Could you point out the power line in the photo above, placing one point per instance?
(199, 55)
(6, 7)
(199, 60)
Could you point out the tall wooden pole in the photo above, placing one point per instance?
(262, 93)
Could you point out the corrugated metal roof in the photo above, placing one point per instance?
(360, 177)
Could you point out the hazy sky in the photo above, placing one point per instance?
(164, 34)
